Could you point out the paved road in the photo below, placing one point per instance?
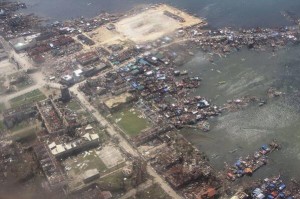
(141, 187)
(38, 77)
(123, 142)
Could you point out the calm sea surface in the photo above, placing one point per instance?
(245, 72)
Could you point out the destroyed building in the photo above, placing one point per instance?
(23, 43)
(87, 58)
(54, 174)
(16, 115)
(52, 118)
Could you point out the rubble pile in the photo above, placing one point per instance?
(182, 165)
(51, 168)
(52, 117)
(16, 164)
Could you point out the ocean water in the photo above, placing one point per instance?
(245, 72)
(250, 72)
(219, 13)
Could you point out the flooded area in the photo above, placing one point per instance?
(240, 133)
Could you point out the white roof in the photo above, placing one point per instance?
(91, 136)
(67, 77)
(59, 149)
(52, 145)
(68, 146)
(89, 127)
(78, 72)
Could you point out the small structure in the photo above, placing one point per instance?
(67, 80)
(90, 175)
(110, 26)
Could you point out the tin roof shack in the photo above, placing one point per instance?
(52, 118)
(90, 175)
(116, 102)
(64, 150)
(87, 58)
(23, 43)
(46, 46)
(16, 115)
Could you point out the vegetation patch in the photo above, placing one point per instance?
(28, 98)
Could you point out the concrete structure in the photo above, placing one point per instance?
(64, 150)
(65, 94)
(23, 43)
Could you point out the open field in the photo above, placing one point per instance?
(155, 191)
(148, 26)
(103, 36)
(131, 121)
(143, 27)
(74, 105)
(115, 182)
(30, 97)
(110, 156)
(88, 160)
